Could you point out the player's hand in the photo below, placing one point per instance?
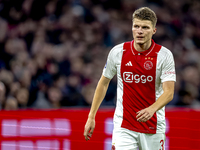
(144, 114)
(89, 128)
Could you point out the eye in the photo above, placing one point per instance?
(145, 27)
(136, 26)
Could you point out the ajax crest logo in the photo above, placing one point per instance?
(148, 65)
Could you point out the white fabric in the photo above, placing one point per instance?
(165, 71)
(124, 139)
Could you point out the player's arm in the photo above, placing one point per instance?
(146, 114)
(99, 95)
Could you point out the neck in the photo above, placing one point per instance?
(142, 47)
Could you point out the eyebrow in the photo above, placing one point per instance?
(141, 25)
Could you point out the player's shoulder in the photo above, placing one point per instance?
(164, 51)
(116, 50)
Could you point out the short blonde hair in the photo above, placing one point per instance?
(145, 13)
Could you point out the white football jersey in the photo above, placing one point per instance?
(140, 76)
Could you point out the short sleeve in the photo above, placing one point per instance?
(168, 68)
(110, 67)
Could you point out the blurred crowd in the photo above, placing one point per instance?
(52, 52)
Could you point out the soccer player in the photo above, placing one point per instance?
(146, 78)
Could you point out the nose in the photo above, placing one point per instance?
(140, 31)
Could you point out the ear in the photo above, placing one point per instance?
(154, 30)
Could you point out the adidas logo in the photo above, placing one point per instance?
(129, 64)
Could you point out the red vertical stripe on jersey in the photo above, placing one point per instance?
(138, 72)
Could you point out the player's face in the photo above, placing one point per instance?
(143, 31)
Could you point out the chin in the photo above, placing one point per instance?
(140, 42)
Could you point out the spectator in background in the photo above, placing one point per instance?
(72, 92)
(187, 99)
(14, 87)
(55, 96)
(43, 43)
(11, 103)
(22, 96)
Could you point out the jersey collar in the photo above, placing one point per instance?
(145, 53)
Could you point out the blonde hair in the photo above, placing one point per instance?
(145, 13)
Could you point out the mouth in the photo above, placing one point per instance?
(139, 37)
